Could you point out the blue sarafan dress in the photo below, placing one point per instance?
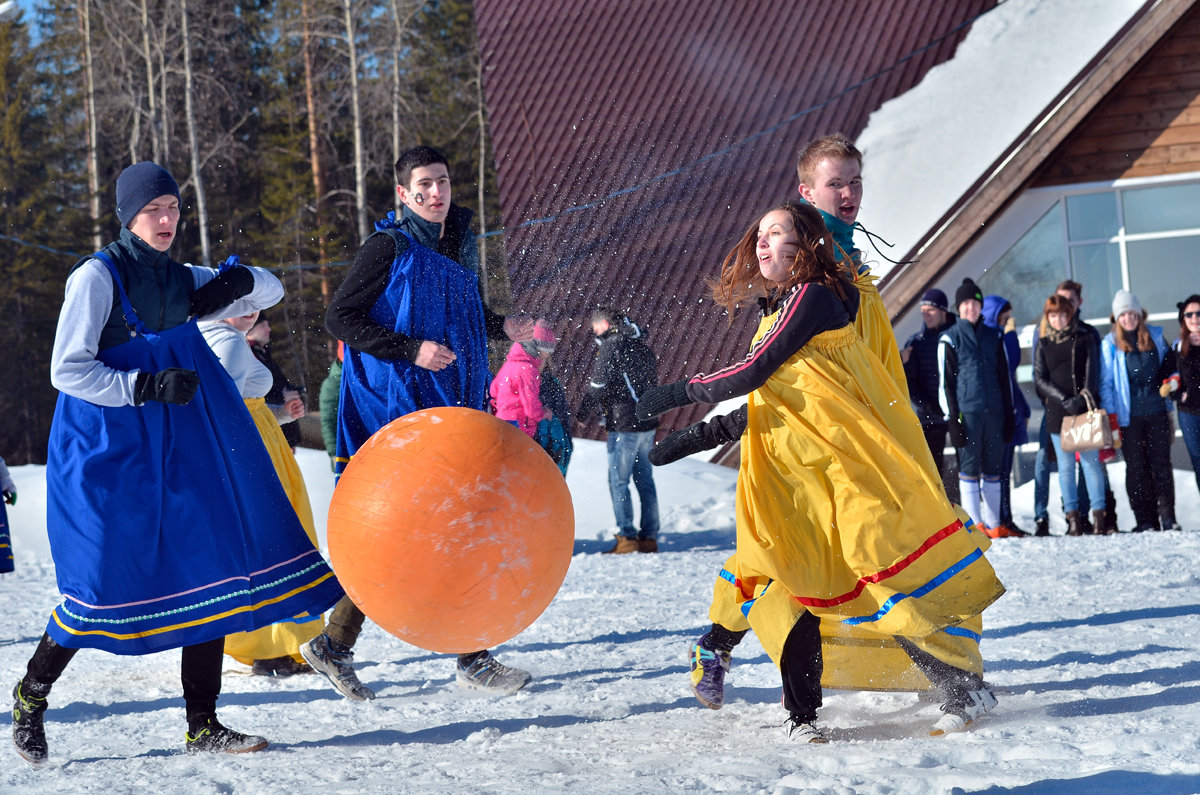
(429, 297)
(6, 552)
(167, 523)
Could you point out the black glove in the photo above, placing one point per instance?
(661, 399)
(1010, 427)
(173, 385)
(958, 434)
(1073, 406)
(222, 291)
(680, 444)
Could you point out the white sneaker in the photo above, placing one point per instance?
(959, 715)
(486, 673)
(337, 668)
(804, 731)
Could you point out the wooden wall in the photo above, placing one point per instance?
(1148, 126)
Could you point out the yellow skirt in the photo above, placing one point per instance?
(282, 639)
(875, 327)
(835, 515)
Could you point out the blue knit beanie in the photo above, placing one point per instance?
(141, 184)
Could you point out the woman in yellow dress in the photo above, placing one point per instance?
(836, 518)
(272, 650)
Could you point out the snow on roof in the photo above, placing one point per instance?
(925, 148)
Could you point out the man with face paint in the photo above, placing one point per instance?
(411, 314)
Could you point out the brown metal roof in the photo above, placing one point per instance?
(635, 141)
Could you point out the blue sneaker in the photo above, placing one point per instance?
(708, 669)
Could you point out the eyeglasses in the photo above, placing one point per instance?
(1191, 314)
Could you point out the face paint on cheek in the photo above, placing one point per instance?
(419, 199)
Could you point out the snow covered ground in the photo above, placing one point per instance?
(1094, 652)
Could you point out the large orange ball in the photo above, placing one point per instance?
(451, 529)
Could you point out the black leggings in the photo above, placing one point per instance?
(200, 672)
(802, 666)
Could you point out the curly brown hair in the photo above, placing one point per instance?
(741, 280)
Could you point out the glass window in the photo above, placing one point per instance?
(1162, 209)
(1163, 272)
(1030, 270)
(1097, 267)
(1092, 216)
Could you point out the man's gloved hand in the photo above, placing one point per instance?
(661, 399)
(1074, 406)
(172, 385)
(958, 433)
(680, 444)
(223, 290)
(10, 496)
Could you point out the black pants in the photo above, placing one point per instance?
(935, 437)
(801, 667)
(200, 672)
(1148, 477)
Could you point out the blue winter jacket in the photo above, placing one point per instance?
(974, 370)
(1114, 377)
(921, 369)
(993, 306)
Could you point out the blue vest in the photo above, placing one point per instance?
(978, 349)
(428, 297)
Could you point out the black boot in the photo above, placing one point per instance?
(29, 733)
(1041, 526)
(1101, 528)
(1074, 524)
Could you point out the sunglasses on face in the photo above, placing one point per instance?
(1191, 314)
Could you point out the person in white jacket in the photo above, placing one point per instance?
(156, 543)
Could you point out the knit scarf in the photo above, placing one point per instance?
(1062, 335)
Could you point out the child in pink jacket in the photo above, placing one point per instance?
(515, 388)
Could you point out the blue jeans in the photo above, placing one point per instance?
(629, 456)
(1189, 425)
(1042, 467)
(1093, 474)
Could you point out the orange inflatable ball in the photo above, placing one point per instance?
(451, 529)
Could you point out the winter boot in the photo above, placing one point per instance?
(802, 730)
(1167, 521)
(624, 545)
(1110, 511)
(1099, 525)
(647, 545)
(1041, 526)
(708, 669)
(1074, 524)
(279, 666)
(29, 733)
(961, 710)
(337, 666)
(206, 735)
(484, 672)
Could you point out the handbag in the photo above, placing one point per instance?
(1088, 431)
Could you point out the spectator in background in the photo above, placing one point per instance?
(328, 403)
(1184, 389)
(921, 369)
(625, 368)
(516, 389)
(997, 313)
(285, 398)
(976, 394)
(9, 489)
(1135, 360)
(1067, 362)
(554, 434)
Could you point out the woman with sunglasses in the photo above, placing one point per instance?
(1184, 386)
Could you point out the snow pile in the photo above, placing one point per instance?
(1093, 652)
(924, 149)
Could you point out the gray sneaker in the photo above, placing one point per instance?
(337, 667)
(485, 673)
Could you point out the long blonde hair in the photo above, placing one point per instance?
(1138, 339)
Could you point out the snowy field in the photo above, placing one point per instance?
(1094, 653)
